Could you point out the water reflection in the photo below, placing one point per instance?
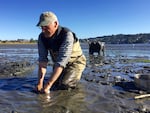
(63, 101)
(17, 94)
(30, 52)
(11, 52)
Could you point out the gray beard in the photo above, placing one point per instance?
(47, 35)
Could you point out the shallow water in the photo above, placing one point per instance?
(17, 93)
(30, 52)
(17, 96)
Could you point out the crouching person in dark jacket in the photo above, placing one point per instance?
(65, 51)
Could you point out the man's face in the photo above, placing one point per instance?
(49, 30)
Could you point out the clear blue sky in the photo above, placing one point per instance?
(87, 18)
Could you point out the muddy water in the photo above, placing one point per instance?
(17, 93)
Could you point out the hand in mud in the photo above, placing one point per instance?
(46, 89)
(39, 88)
(42, 91)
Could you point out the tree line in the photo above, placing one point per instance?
(121, 39)
(111, 39)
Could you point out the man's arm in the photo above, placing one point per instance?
(41, 74)
(43, 53)
(55, 75)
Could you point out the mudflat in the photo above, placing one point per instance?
(107, 84)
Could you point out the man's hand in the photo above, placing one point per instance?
(46, 88)
(39, 88)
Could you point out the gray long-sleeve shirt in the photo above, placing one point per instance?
(60, 51)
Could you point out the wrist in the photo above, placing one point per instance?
(48, 85)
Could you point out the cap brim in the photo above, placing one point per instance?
(43, 23)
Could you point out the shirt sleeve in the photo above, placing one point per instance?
(65, 50)
(42, 51)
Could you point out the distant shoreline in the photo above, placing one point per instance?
(18, 43)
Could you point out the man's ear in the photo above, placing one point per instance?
(55, 24)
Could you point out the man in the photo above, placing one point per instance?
(66, 54)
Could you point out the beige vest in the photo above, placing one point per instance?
(76, 51)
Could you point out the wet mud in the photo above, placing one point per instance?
(16, 68)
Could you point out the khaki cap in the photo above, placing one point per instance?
(46, 18)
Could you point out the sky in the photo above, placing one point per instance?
(87, 18)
